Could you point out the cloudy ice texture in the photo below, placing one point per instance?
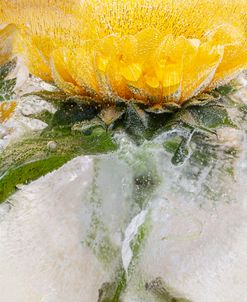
(198, 248)
(196, 244)
(41, 255)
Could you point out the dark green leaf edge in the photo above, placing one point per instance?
(35, 157)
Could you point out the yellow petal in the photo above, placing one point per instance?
(33, 57)
(108, 49)
(234, 61)
(131, 72)
(117, 84)
(61, 74)
(148, 41)
(225, 34)
(109, 46)
(152, 81)
(83, 67)
(6, 109)
(102, 62)
(169, 74)
(198, 75)
(128, 49)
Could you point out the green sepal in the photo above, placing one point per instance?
(72, 112)
(207, 118)
(169, 107)
(110, 115)
(6, 69)
(227, 89)
(87, 127)
(135, 122)
(7, 85)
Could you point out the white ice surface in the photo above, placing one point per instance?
(41, 255)
(200, 251)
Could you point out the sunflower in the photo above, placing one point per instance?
(152, 51)
(143, 80)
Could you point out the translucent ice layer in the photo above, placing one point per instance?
(128, 226)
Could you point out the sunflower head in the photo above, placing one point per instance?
(154, 51)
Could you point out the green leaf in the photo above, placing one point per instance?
(32, 158)
(27, 172)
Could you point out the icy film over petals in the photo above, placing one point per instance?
(7, 33)
(157, 51)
